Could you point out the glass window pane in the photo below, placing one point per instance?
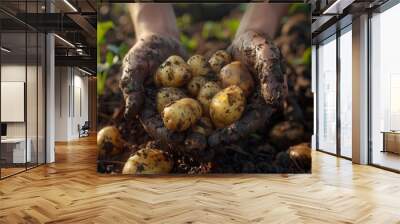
(15, 151)
(385, 88)
(41, 99)
(31, 97)
(23, 85)
(327, 95)
(346, 93)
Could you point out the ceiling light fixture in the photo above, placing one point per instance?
(5, 50)
(84, 71)
(337, 7)
(70, 5)
(64, 40)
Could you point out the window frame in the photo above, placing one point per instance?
(380, 9)
(339, 32)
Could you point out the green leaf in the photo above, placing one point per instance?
(109, 58)
(307, 56)
(101, 82)
(98, 55)
(230, 26)
(123, 49)
(296, 61)
(189, 43)
(214, 30)
(207, 29)
(183, 22)
(299, 8)
(102, 28)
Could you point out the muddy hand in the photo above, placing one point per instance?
(140, 64)
(264, 60)
(254, 118)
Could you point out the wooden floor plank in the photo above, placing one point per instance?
(70, 191)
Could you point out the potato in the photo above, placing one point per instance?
(227, 106)
(195, 84)
(182, 114)
(301, 155)
(203, 126)
(286, 133)
(168, 95)
(174, 72)
(148, 161)
(218, 60)
(109, 141)
(199, 65)
(206, 93)
(237, 74)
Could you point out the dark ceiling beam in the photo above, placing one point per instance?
(91, 5)
(15, 18)
(78, 61)
(49, 22)
(84, 24)
(321, 23)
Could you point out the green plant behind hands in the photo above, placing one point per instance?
(113, 55)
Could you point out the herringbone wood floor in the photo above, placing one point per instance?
(70, 191)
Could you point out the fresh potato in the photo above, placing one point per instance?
(182, 114)
(286, 133)
(236, 74)
(300, 155)
(195, 84)
(199, 65)
(218, 60)
(206, 93)
(109, 141)
(203, 126)
(174, 72)
(148, 161)
(168, 95)
(227, 106)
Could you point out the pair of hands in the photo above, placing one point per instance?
(253, 49)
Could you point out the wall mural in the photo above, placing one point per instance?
(204, 88)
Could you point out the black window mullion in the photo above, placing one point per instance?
(369, 100)
(316, 98)
(37, 90)
(26, 86)
(338, 95)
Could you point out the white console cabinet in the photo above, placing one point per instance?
(17, 147)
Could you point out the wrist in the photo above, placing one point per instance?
(160, 33)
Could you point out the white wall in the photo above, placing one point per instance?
(61, 103)
(33, 127)
(71, 94)
(12, 73)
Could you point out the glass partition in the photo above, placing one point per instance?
(345, 56)
(22, 87)
(41, 86)
(385, 89)
(15, 151)
(327, 95)
(31, 98)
